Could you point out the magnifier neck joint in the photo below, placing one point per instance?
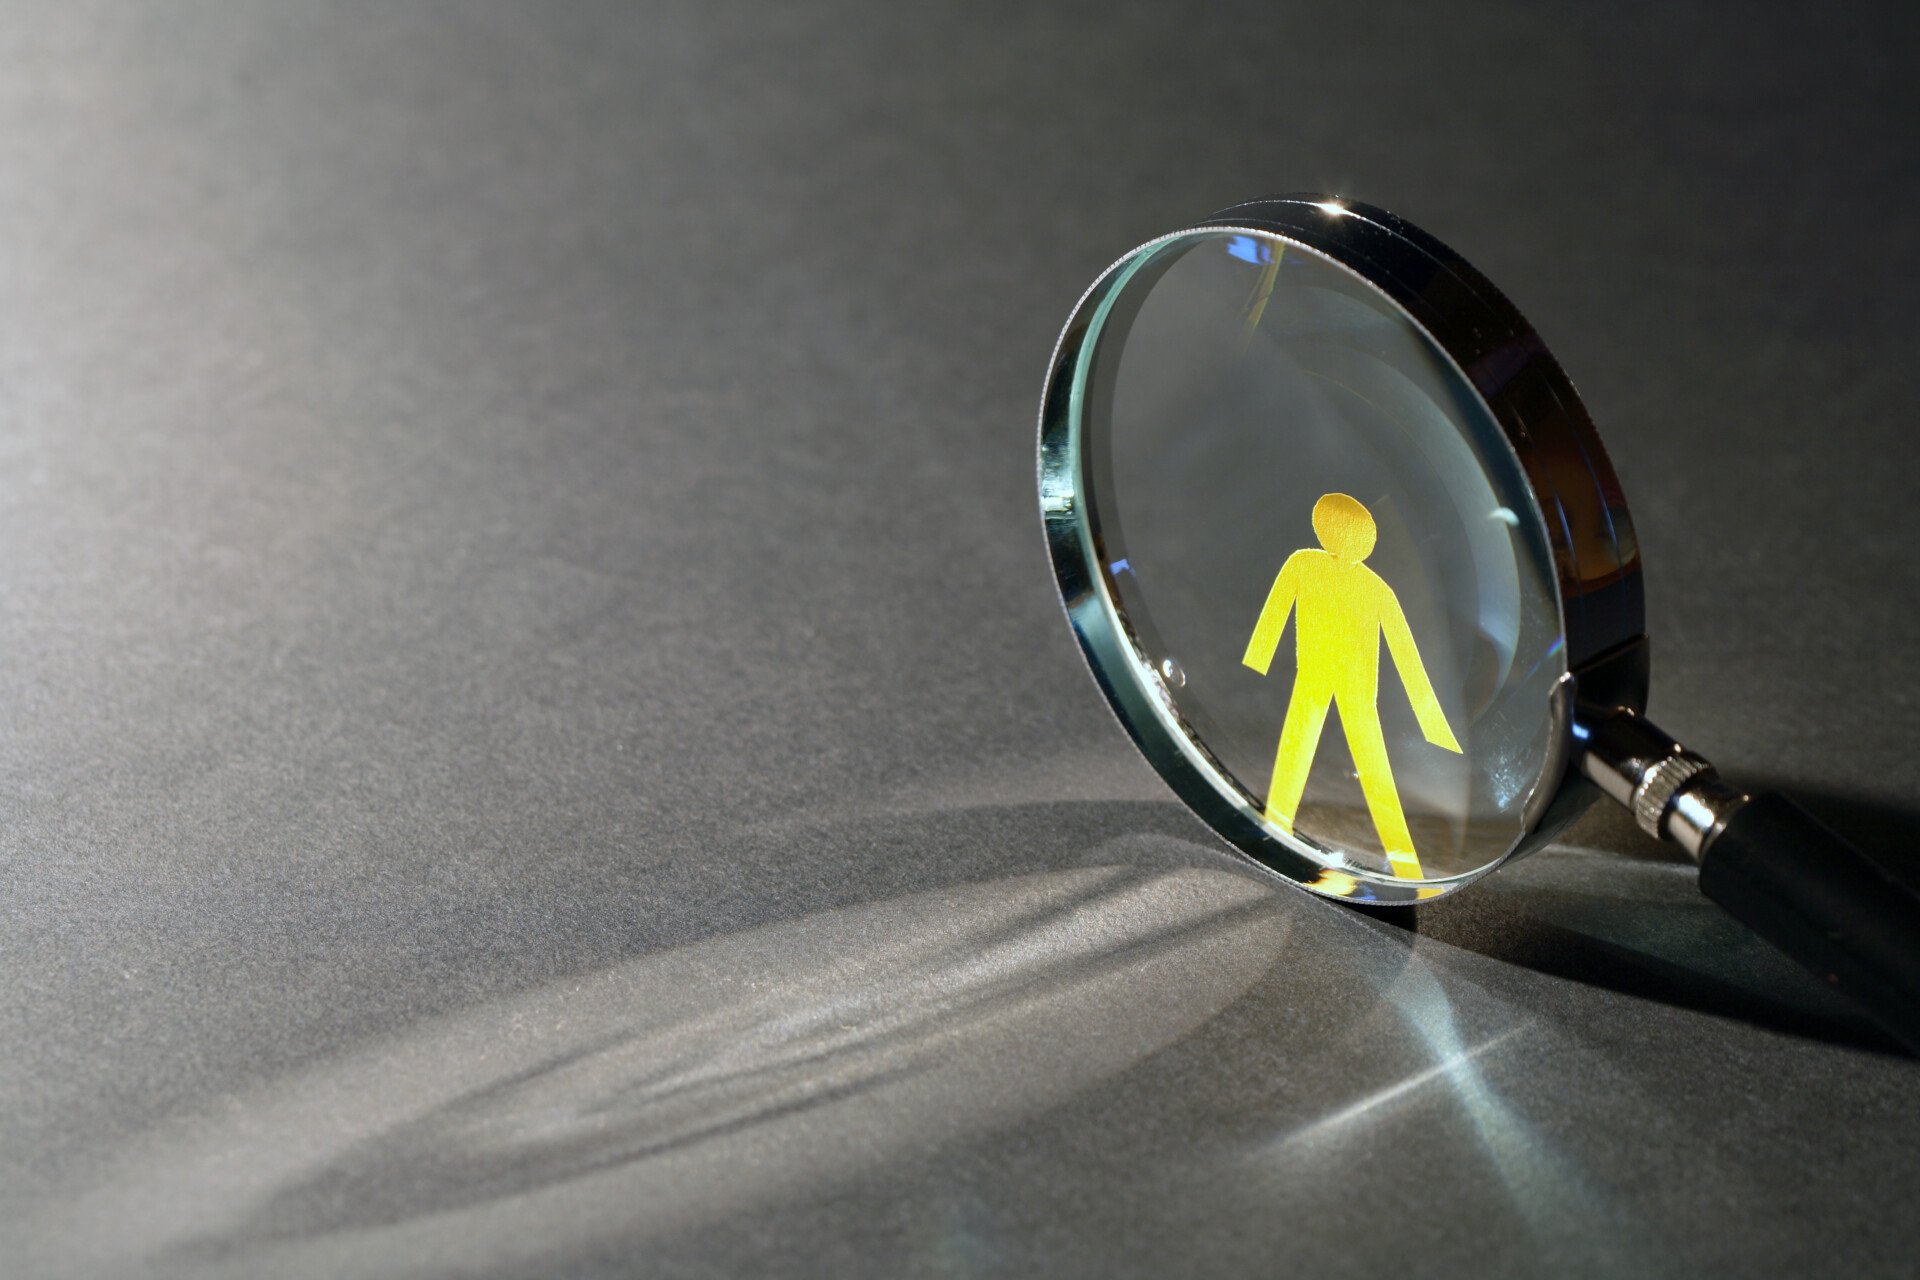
(1675, 794)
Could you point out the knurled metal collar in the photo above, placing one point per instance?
(1658, 787)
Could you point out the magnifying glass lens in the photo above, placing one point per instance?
(1331, 575)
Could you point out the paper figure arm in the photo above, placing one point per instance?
(1273, 618)
(1413, 674)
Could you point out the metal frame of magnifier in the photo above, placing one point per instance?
(1838, 911)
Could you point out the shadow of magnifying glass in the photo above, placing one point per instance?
(1610, 907)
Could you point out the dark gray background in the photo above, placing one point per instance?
(535, 735)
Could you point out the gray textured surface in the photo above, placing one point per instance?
(535, 733)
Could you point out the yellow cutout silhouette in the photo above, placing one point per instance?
(1343, 608)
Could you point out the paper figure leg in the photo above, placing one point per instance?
(1369, 750)
(1299, 737)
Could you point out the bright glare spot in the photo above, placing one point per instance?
(1507, 516)
(1332, 208)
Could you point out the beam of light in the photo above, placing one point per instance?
(1371, 1103)
(1550, 1198)
(1548, 1193)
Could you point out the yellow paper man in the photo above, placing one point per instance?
(1343, 609)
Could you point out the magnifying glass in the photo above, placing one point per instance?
(1343, 551)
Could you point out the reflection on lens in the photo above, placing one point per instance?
(1326, 561)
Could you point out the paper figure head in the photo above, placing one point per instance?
(1344, 527)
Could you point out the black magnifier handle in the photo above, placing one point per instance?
(1773, 867)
